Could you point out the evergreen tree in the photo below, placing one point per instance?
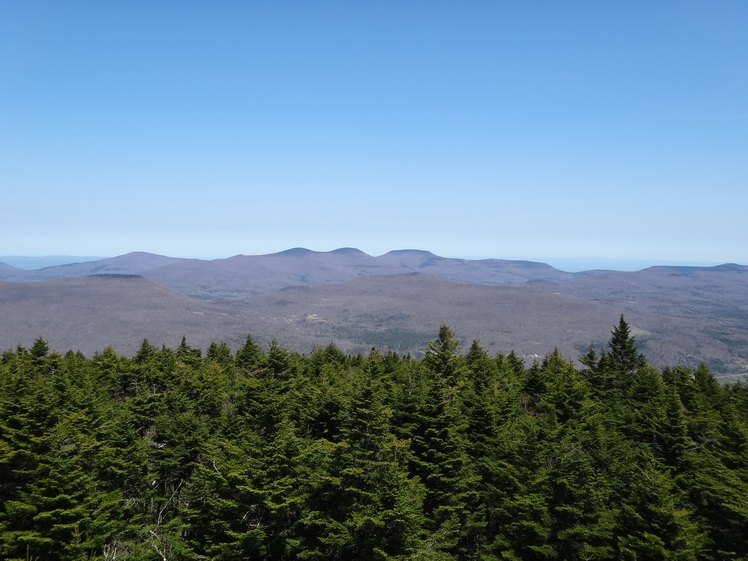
(249, 357)
(617, 366)
(623, 352)
(578, 491)
(368, 506)
(440, 445)
(441, 357)
(653, 523)
(172, 455)
(62, 514)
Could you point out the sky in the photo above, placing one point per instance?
(476, 129)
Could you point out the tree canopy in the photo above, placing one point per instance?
(176, 454)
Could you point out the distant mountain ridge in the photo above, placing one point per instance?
(134, 263)
(36, 262)
(303, 298)
(242, 275)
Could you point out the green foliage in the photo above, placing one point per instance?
(174, 454)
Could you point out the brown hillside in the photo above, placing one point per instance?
(401, 312)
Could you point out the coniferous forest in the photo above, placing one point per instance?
(265, 454)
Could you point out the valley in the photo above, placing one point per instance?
(306, 299)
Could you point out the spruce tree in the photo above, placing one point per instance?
(625, 358)
(369, 507)
(441, 452)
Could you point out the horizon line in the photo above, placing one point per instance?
(568, 264)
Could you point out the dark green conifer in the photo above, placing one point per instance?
(250, 356)
(623, 354)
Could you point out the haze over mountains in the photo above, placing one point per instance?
(303, 298)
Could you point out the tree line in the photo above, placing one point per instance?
(266, 454)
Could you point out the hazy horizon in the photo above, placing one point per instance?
(568, 264)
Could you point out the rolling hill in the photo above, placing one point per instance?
(250, 275)
(305, 299)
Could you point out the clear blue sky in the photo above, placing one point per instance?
(471, 129)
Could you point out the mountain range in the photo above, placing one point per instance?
(306, 299)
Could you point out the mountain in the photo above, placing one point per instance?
(242, 275)
(8, 271)
(90, 313)
(303, 298)
(400, 312)
(134, 263)
(38, 262)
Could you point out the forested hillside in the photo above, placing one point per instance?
(266, 454)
